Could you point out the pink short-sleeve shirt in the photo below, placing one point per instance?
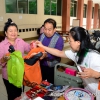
(20, 45)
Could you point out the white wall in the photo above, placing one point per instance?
(30, 20)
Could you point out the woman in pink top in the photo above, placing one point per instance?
(11, 33)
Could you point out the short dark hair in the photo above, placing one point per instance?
(8, 24)
(52, 21)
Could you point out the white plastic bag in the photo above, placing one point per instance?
(24, 97)
(98, 91)
(97, 94)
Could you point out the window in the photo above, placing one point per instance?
(73, 8)
(32, 6)
(59, 7)
(21, 6)
(84, 10)
(98, 13)
(52, 7)
(47, 7)
(11, 6)
(92, 12)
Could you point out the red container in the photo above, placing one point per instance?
(70, 71)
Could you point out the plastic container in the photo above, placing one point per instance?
(61, 78)
(70, 71)
(78, 94)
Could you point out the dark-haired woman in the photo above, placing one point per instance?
(83, 53)
(11, 33)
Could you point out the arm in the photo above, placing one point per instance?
(89, 73)
(52, 51)
(3, 56)
(93, 70)
(26, 46)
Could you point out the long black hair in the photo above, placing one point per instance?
(7, 25)
(82, 35)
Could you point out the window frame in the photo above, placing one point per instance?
(85, 11)
(17, 7)
(50, 10)
(73, 8)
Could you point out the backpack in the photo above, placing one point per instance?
(32, 73)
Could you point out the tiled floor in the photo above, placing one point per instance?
(3, 95)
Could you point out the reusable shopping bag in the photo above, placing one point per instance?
(32, 73)
(15, 69)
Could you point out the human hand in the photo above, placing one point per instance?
(5, 58)
(33, 44)
(38, 43)
(82, 68)
(44, 55)
(88, 73)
